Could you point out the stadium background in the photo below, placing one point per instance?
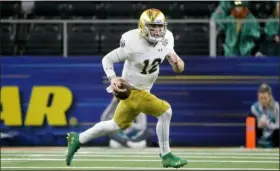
(210, 100)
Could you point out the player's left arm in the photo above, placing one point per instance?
(117, 55)
(174, 60)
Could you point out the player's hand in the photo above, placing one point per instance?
(173, 58)
(176, 62)
(115, 83)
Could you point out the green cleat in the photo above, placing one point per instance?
(170, 160)
(73, 146)
(180, 161)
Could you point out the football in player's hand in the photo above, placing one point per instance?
(125, 90)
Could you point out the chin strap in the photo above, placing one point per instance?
(150, 42)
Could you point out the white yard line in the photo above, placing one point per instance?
(126, 160)
(130, 168)
(144, 152)
(136, 156)
(10, 161)
(146, 149)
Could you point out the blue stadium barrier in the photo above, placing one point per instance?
(210, 100)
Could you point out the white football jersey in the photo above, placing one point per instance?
(142, 60)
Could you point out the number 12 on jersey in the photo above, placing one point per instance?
(154, 65)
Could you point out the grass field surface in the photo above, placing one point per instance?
(53, 158)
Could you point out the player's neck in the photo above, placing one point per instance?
(150, 42)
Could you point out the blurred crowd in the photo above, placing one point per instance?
(241, 35)
(244, 34)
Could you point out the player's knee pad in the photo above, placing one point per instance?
(167, 114)
(167, 105)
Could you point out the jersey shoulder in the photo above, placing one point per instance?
(131, 35)
(168, 41)
(132, 40)
(169, 35)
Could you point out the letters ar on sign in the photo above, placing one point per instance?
(50, 102)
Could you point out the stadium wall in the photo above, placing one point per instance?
(210, 100)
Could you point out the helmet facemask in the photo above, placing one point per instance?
(154, 32)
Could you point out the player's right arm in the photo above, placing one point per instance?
(117, 55)
(176, 62)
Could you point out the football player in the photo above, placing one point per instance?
(143, 50)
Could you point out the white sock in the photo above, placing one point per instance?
(162, 130)
(99, 129)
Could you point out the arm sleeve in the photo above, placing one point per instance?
(170, 45)
(275, 125)
(117, 55)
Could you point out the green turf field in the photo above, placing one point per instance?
(139, 159)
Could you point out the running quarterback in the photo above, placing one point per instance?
(142, 50)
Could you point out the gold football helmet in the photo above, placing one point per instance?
(153, 25)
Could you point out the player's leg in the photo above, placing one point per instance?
(123, 118)
(118, 139)
(162, 110)
(75, 140)
(139, 131)
(108, 113)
